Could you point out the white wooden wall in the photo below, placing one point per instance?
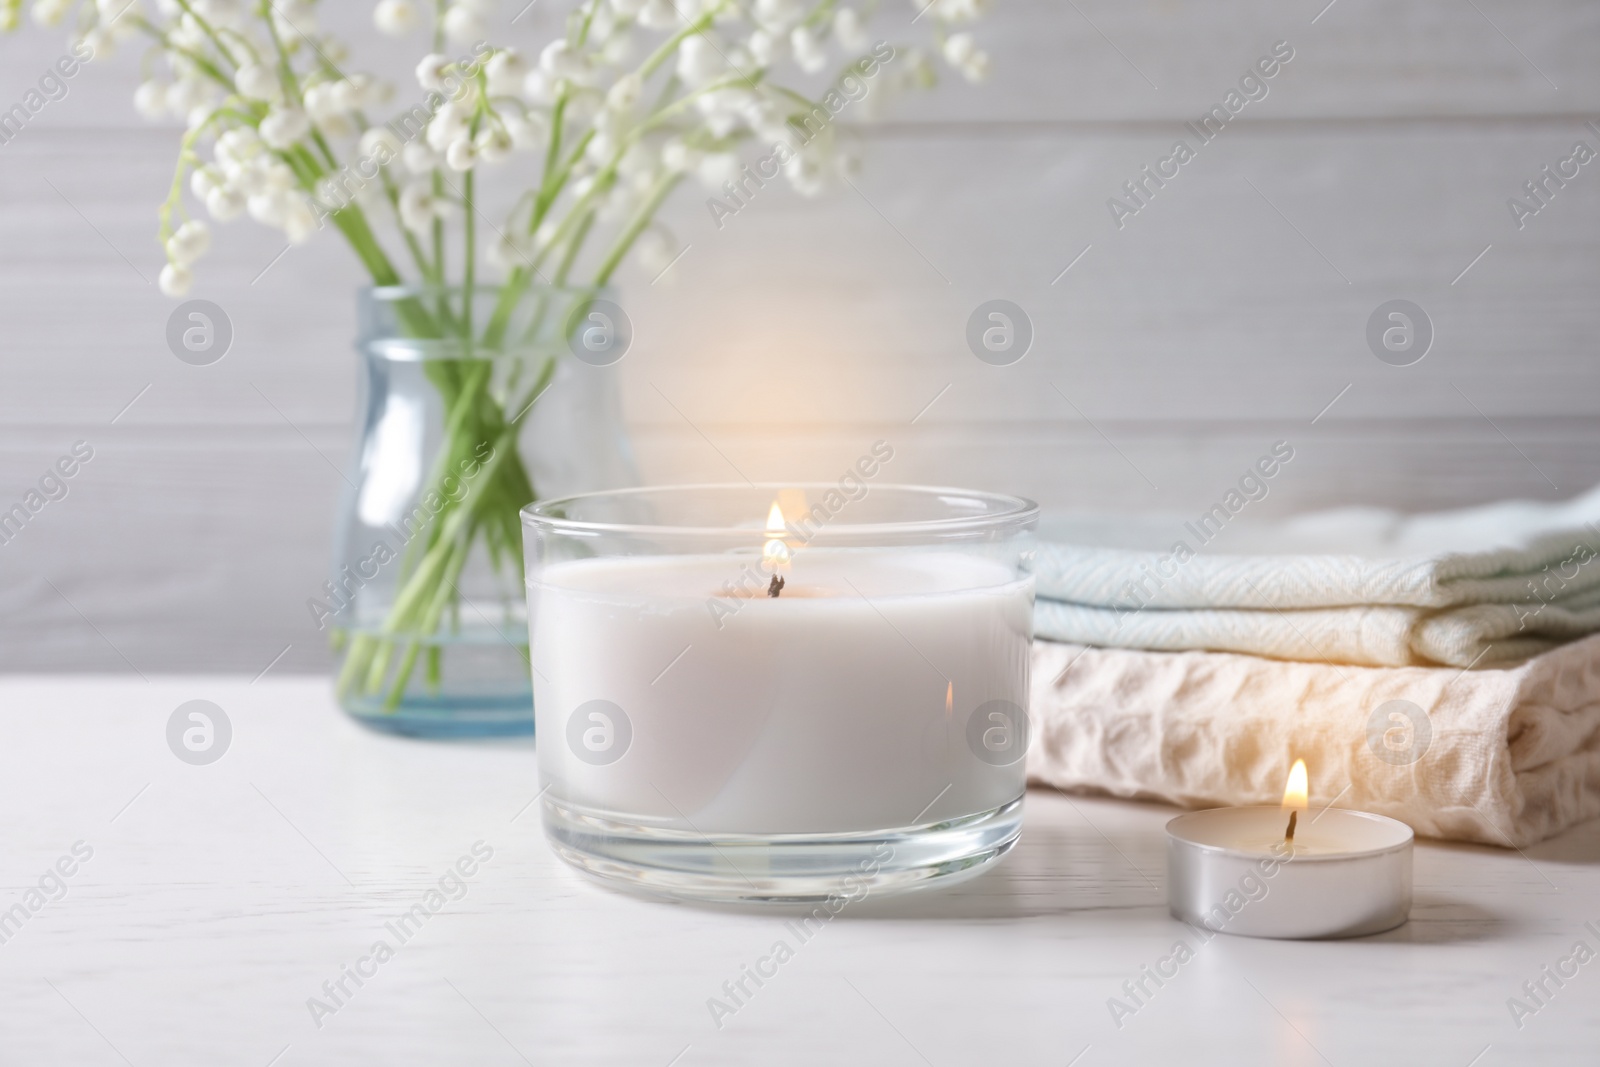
(1224, 316)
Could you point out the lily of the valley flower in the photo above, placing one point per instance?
(280, 127)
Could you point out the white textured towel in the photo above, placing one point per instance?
(1513, 757)
(1481, 586)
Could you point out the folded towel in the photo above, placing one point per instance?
(1481, 586)
(1501, 757)
(1475, 635)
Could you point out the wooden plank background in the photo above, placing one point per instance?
(1225, 315)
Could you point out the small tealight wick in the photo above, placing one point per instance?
(1288, 835)
(775, 586)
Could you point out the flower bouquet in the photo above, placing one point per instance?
(585, 138)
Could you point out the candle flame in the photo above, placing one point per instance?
(775, 554)
(949, 698)
(1295, 792)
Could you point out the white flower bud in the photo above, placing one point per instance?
(463, 25)
(699, 62)
(224, 203)
(559, 60)
(602, 26)
(538, 87)
(238, 145)
(268, 208)
(505, 72)
(49, 13)
(510, 251)
(602, 146)
(188, 243)
(250, 180)
(257, 82)
(224, 13)
(767, 47)
(299, 221)
(658, 15)
(319, 101)
(419, 158)
(804, 174)
(199, 115)
(344, 96)
(527, 131)
(276, 174)
(363, 90)
(461, 155)
(203, 180)
(779, 15)
(809, 51)
(150, 100)
(187, 33)
(961, 52)
(678, 157)
(624, 94)
(618, 50)
(430, 72)
(284, 126)
(100, 42)
(380, 144)
(493, 144)
(395, 17)
(655, 249)
(450, 123)
(627, 8)
(417, 210)
(958, 48)
(959, 10)
(182, 95)
(850, 29)
(294, 19)
(175, 280)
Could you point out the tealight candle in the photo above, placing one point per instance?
(1271, 872)
(823, 703)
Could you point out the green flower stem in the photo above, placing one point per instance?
(492, 509)
(635, 227)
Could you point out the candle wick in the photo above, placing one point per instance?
(775, 586)
(1289, 833)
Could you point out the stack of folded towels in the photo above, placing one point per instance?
(1437, 668)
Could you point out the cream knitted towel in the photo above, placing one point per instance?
(1501, 757)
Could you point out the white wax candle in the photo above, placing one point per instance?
(842, 705)
(1346, 874)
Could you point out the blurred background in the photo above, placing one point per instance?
(1230, 312)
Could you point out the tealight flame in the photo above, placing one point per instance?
(949, 698)
(1294, 793)
(775, 554)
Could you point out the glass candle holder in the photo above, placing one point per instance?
(786, 693)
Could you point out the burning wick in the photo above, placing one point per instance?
(1294, 796)
(775, 554)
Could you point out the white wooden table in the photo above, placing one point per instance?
(218, 899)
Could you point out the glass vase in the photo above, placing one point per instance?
(472, 406)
